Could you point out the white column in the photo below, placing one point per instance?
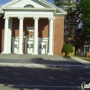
(20, 35)
(6, 35)
(50, 52)
(10, 35)
(35, 46)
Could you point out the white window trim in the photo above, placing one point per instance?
(30, 28)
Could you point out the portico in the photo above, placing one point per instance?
(8, 30)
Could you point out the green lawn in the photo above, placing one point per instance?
(86, 58)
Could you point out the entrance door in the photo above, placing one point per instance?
(15, 44)
(42, 47)
(30, 47)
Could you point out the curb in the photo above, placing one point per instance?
(44, 65)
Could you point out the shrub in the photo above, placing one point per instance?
(67, 48)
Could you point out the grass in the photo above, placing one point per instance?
(85, 58)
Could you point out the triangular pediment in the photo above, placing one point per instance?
(23, 3)
(35, 4)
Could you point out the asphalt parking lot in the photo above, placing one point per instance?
(14, 78)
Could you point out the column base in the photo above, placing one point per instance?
(5, 52)
(34, 53)
(19, 53)
(9, 52)
(50, 53)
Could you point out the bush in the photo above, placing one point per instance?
(67, 48)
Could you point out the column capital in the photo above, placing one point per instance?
(51, 18)
(20, 17)
(36, 18)
(6, 17)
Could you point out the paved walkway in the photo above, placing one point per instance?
(41, 61)
(27, 56)
(80, 60)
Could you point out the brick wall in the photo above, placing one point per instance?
(1, 33)
(58, 35)
(15, 27)
(42, 27)
(28, 22)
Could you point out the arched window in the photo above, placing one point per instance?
(28, 6)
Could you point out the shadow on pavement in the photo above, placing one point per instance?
(62, 62)
(33, 78)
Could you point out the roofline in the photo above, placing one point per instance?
(60, 14)
(9, 3)
(60, 9)
(32, 9)
(1, 11)
(47, 3)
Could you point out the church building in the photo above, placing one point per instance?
(31, 27)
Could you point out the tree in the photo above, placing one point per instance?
(84, 8)
(67, 48)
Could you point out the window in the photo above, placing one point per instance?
(28, 6)
(40, 46)
(44, 46)
(29, 45)
(30, 28)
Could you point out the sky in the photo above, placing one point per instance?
(5, 1)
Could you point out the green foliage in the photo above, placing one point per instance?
(67, 48)
(84, 8)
